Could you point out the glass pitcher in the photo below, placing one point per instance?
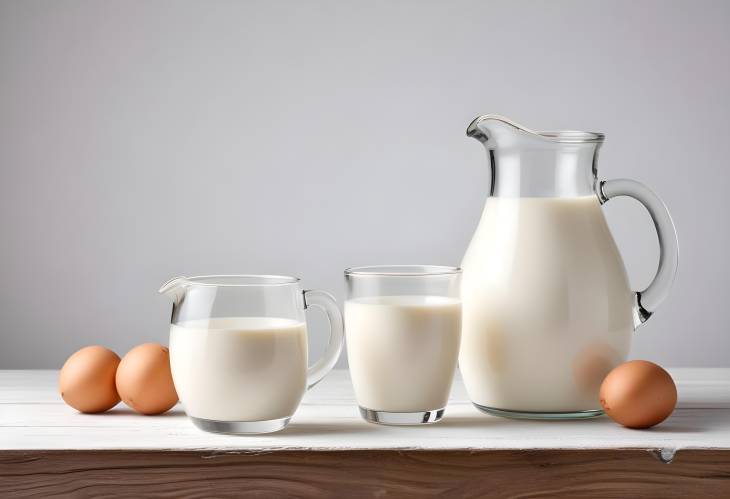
(547, 308)
(238, 349)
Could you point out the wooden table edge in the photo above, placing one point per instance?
(620, 473)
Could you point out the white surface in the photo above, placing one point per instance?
(32, 416)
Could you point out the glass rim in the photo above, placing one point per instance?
(402, 270)
(572, 136)
(559, 136)
(240, 280)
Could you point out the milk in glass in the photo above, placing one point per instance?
(402, 350)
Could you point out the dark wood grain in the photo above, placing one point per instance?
(374, 473)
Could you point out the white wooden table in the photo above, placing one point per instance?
(48, 448)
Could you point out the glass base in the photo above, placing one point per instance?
(505, 413)
(401, 418)
(241, 427)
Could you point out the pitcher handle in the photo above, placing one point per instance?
(648, 300)
(328, 304)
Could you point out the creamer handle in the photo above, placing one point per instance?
(326, 302)
(648, 300)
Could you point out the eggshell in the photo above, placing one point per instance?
(86, 381)
(144, 379)
(638, 394)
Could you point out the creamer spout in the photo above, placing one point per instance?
(174, 288)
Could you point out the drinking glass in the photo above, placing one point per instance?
(238, 349)
(403, 328)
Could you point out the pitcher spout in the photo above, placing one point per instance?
(488, 127)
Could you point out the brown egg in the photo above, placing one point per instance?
(144, 380)
(638, 394)
(87, 382)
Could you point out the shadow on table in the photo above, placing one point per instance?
(304, 428)
(672, 428)
(126, 411)
(476, 421)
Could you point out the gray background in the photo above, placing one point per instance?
(142, 140)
